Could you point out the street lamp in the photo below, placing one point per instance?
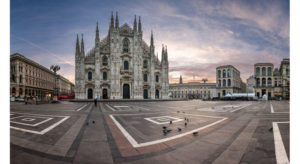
(55, 68)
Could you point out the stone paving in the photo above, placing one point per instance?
(141, 132)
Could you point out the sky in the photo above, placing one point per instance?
(200, 34)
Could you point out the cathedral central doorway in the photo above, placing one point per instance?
(104, 94)
(156, 93)
(126, 91)
(145, 93)
(90, 93)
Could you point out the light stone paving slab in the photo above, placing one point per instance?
(235, 151)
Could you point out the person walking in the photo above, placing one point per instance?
(95, 101)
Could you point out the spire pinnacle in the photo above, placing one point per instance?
(140, 25)
(112, 20)
(117, 20)
(82, 45)
(77, 45)
(152, 41)
(134, 24)
(97, 39)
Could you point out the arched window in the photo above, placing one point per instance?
(257, 82)
(157, 78)
(126, 45)
(257, 71)
(126, 66)
(263, 80)
(90, 75)
(13, 78)
(224, 83)
(269, 71)
(13, 90)
(20, 79)
(104, 75)
(145, 64)
(20, 91)
(263, 71)
(145, 78)
(224, 73)
(229, 83)
(219, 73)
(104, 61)
(228, 73)
(219, 82)
(287, 71)
(269, 82)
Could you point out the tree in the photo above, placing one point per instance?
(204, 80)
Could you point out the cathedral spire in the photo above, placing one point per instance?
(82, 45)
(111, 21)
(140, 25)
(180, 80)
(117, 20)
(97, 39)
(166, 54)
(134, 24)
(162, 53)
(77, 46)
(152, 42)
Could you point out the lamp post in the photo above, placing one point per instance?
(55, 68)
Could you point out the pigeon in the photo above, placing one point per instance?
(87, 123)
(169, 130)
(179, 129)
(93, 121)
(195, 133)
(164, 127)
(271, 129)
(183, 112)
(165, 132)
(177, 111)
(171, 122)
(185, 124)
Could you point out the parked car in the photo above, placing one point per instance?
(19, 99)
(12, 99)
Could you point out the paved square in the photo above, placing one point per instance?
(132, 132)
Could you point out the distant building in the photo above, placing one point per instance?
(229, 81)
(64, 86)
(194, 90)
(250, 84)
(30, 79)
(272, 82)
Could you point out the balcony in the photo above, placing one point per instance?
(126, 72)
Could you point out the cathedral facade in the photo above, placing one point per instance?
(121, 66)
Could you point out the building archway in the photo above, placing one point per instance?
(90, 93)
(104, 93)
(126, 91)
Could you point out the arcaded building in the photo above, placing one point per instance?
(229, 81)
(121, 65)
(30, 79)
(272, 82)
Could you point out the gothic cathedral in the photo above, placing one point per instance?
(121, 66)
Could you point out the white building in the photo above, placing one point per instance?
(121, 65)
